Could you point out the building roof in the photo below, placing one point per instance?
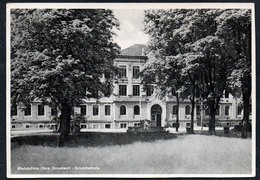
(135, 50)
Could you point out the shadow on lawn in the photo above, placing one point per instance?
(90, 139)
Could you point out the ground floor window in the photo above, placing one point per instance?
(107, 126)
(136, 110)
(122, 110)
(122, 125)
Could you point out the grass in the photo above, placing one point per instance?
(190, 154)
(90, 139)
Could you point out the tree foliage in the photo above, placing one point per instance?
(62, 55)
(196, 40)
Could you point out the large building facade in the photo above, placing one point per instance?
(129, 103)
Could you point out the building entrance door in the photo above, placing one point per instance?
(156, 114)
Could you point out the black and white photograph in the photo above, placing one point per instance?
(130, 90)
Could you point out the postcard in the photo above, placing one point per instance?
(130, 90)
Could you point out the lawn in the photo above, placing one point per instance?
(187, 154)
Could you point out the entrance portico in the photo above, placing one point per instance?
(156, 115)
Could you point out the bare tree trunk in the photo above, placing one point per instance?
(212, 118)
(64, 124)
(246, 88)
(192, 114)
(177, 114)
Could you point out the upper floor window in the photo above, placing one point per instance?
(83, 110)
(174, 92)
(136, 90)
(107, 110)
(198, 110)
(40, 110)
(136, 110)
(187, 110)
(27, 111)
(174, 110)
(122, 90)
(136, 71)
(226, 94)
(54, 111)
(122, 71)
(95, 110)
(227, 110)
(13, 110)
(207, 111)
(218, 111)
(239, 109)
(122, 110)
(149, 90)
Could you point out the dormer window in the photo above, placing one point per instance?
(122, 71)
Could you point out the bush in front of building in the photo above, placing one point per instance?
(75, 123)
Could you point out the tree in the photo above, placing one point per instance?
(190, 34)
(61, 56)
(234, 27)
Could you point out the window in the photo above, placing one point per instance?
(207, 111)
(107, 126)
(40, 110)
(107, 110)
(227, 110)
(123, 125)
(226, 94)
(149, 90)
(41, 125)
(187, 110)
(123, 110)
(136, 90)
(136, 124)
(95, 126)
(174, 110)
(54, 111)
(122, 71)
(83, 110)
(83, 126)
(13, 110)
(217, 111)
(95, 110)
(27, 126)
(136, 71)
(239, 110)
(198, 110)
(27, 111)
(136, 110)
(174, 92)
(13, 126)
(122, 90)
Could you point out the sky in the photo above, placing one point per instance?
(131, 27)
